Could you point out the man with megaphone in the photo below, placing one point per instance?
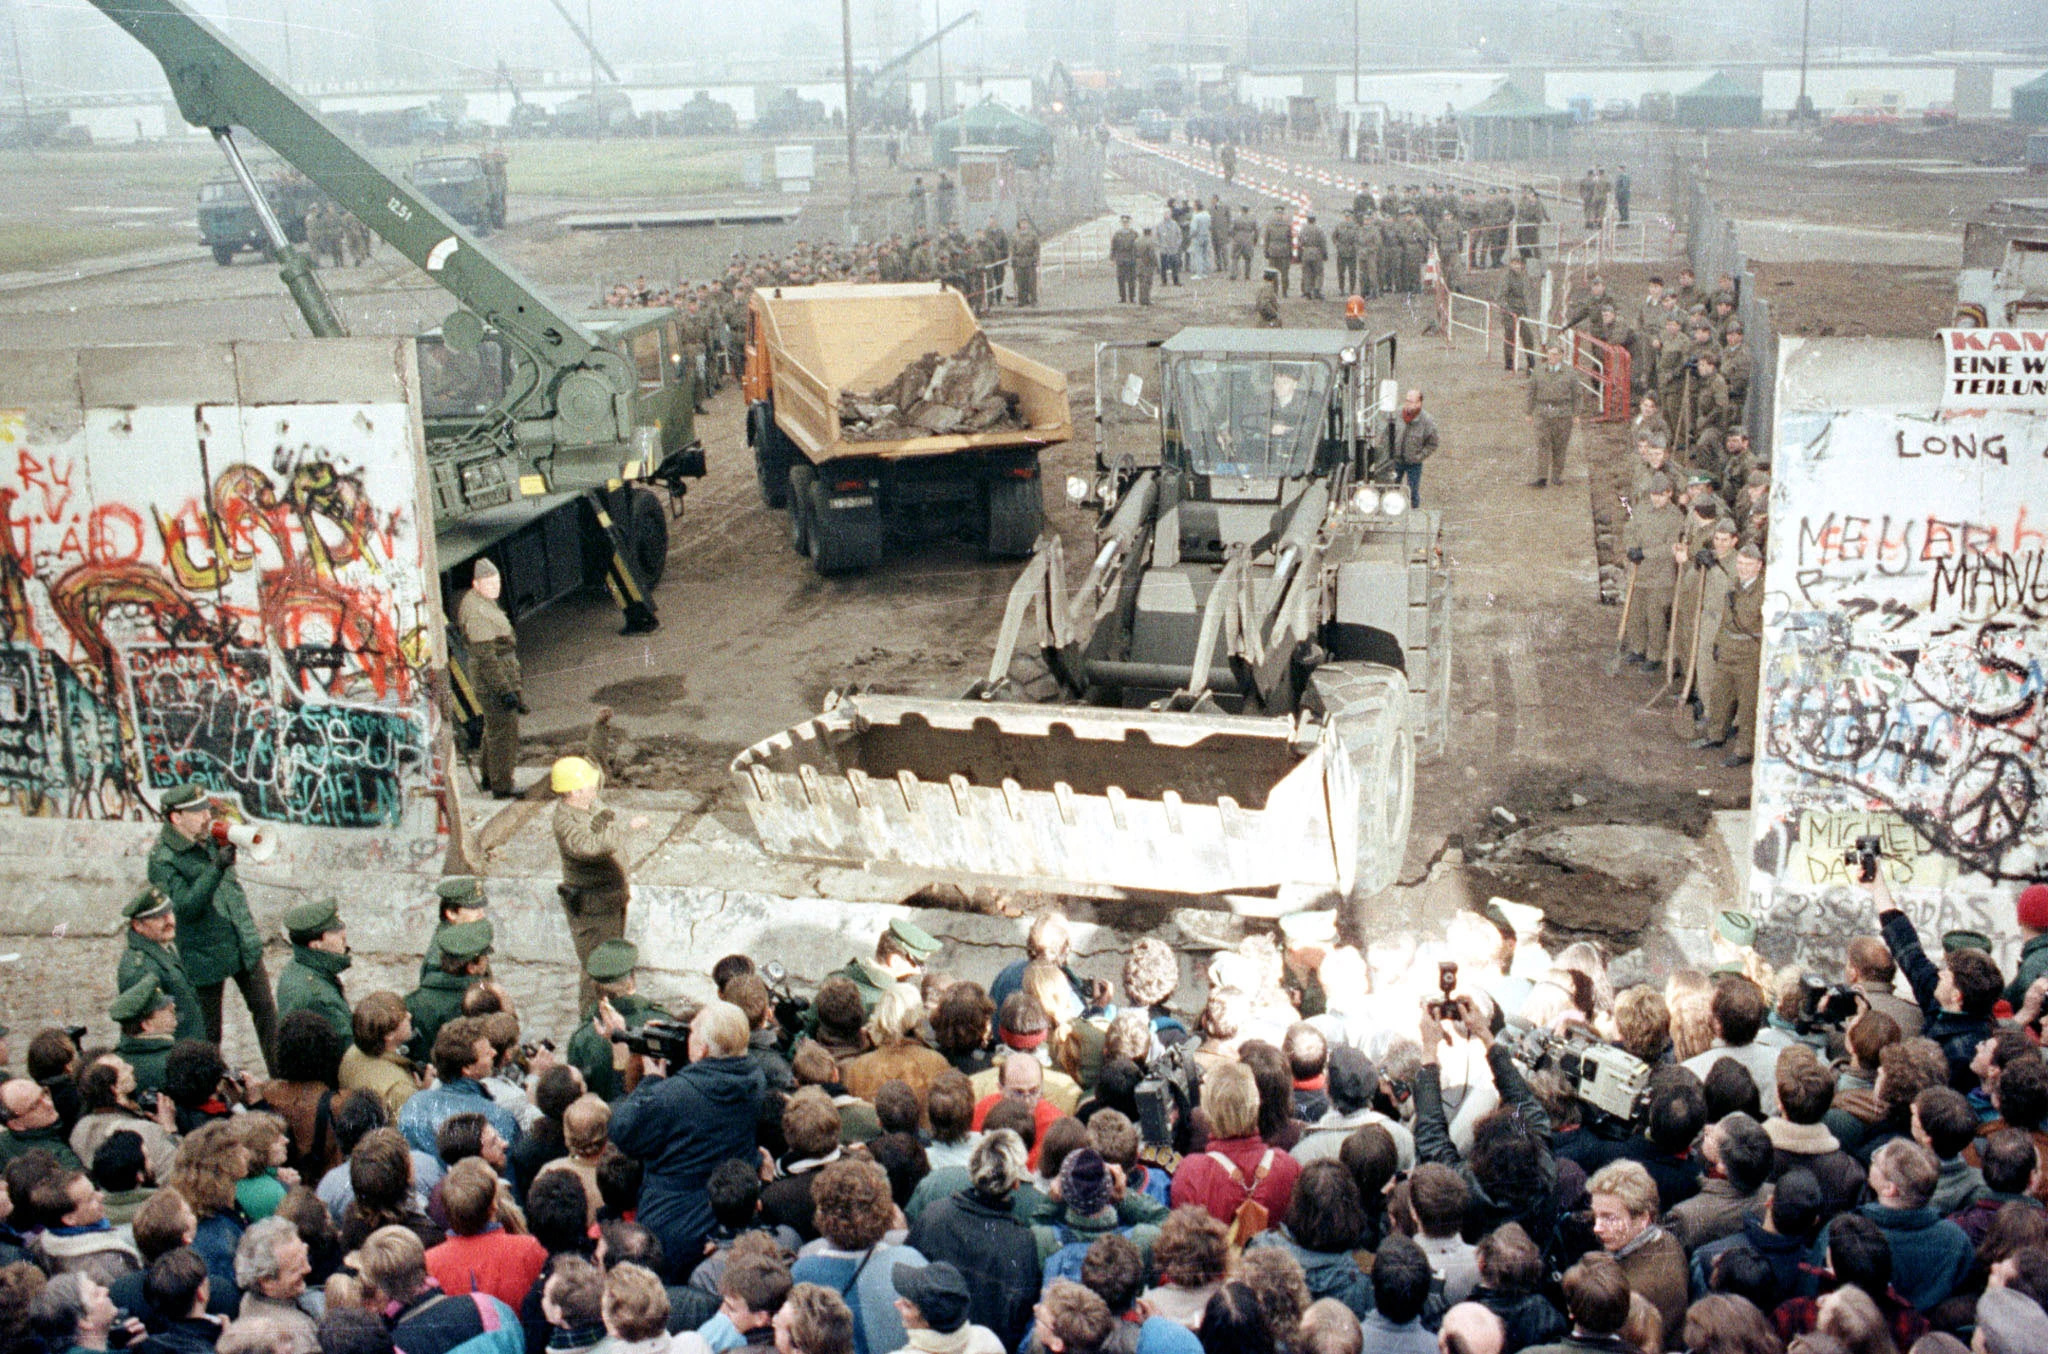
(193, 863)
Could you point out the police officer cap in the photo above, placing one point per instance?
(466, 940)
(914, 938)
(151, 902)
(1699, 477)
(310, 921)
(138, 1001)
(1309, 928)
(1710, 358)
(1725, 527)
(612, 960)
(1737, 928)
(1952, 941)
(182, 796)
(462, 890)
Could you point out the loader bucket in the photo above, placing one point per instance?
(1061, 798)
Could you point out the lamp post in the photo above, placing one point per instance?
(1803, 109)
(852, 135)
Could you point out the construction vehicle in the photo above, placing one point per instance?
(470, 188)
(1229, 705)
(543, 428)
(2003, 283)
(809, 348)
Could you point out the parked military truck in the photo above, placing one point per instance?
(811, 352)
(1232, 701)
(229, 225)
(470, 188)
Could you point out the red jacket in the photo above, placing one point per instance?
(493, 1262)
(1203, 1180)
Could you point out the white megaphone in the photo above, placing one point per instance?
(256, 844)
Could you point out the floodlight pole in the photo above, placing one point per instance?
(852, 132)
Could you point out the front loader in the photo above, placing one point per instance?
(1228, 703)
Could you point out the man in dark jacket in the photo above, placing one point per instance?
(1510, 1170)
(177, 1289)
(217, 937)
(1411, 437)
(1781, 1233)
(977, 1231)
(683, 1125)
(1957, 998)
(1596, 1295)
(1930, 1255)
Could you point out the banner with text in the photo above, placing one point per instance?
(1995, 369)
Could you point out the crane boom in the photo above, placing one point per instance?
(569, 393)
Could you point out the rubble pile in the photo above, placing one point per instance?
(934, 396)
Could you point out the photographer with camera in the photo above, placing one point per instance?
(682, 1124)
(113, 1104)
(616, 1009)
(1957, 998)
(1509, 1169)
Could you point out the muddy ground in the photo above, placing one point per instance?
(752, 640)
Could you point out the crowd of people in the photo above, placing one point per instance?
(1304, 1154)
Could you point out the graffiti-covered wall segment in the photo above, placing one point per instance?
(1906, 642)
(231, 588)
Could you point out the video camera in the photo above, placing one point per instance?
(1864, 855)
(790, 1009)
(1602, 1076)
(668, 1040)
(1167, 1095)
(1824, 1005)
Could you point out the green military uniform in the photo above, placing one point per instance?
(1699, 535)
(146, 1053)
(455, 891)
(1553, 403)
(1738, 368)
(594, 889)
(1738, 654)
(1024, 258)
(1651, 533)
(1344, 243)
(1315, 249)
(1147, 265)
(870, 977)
(438, 998)
(1514, 303)
(590, 1052)
(1244, 241)
(495, 679)
(217, 938)
(312, 980)
(1278, 240)
(1123, 252)
(145, 957)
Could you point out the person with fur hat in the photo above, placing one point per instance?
(594, 887)
(493, 669)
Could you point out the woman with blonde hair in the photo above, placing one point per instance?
(1076, 1044)
(1689, 996)
(210, 1163)
(1238, 1165)
(897, 1051)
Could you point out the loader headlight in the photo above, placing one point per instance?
(1394, 502)
(1077, 489)
(1365, 500)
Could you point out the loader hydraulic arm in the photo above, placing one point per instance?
(571, 394)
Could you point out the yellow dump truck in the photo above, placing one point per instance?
(881, 412)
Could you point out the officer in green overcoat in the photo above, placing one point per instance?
(465, 959)
(618, 1009)
(148, 1019)
(312, 980)
(153, 950)
(194, 864)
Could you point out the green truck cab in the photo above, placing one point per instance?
(227, 221)
(470, 188)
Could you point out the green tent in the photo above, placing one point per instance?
(2030, 101)
(990, 124)
(1718, 101)
(1510, 124)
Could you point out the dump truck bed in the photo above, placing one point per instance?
(833, 338)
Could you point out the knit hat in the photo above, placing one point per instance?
(1085, 1184)
(1353, 1080)
(2033, 907)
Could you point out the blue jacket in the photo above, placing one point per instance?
(470, 1323)
(867, 1281)
(1930, 1254)
(1786, 1256)
(421, 1116)
(215, 1240)
(681, 1127)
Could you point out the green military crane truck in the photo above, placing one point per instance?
(544, 428)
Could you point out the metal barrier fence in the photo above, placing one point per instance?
(1605, 369)
(1713, 249)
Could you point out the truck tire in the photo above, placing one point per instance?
(773, 456)
(1366, 706)
(1016, 516)
(647, 535)
(801, 478)
(224, 255)
(842, 542)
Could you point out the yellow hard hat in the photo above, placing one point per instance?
(571, 774)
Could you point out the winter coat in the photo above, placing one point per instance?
(1330, 1274)
(682, 1126)
(1531, 1202)
(1930, 1254)
(866, 1279)
(1203, 1180)
(448, 1323)
(1958, 1034)
(1528, 1318)
(984, 1239)
(312, 982)
(217, 938)
(144, 956)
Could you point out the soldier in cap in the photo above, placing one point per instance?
(148, 1018)
(194, 864)
(493, 674)
(1738, 654)
(592, 844)
(1553, 410)
(619, 1009)
(1653, 529)
(1314, 250)
(465, 961)
(312, 980)
(900, 955)
(152, 951)
(462, 899)
(1123, 252)
(1278, 240)
(1267, 306)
